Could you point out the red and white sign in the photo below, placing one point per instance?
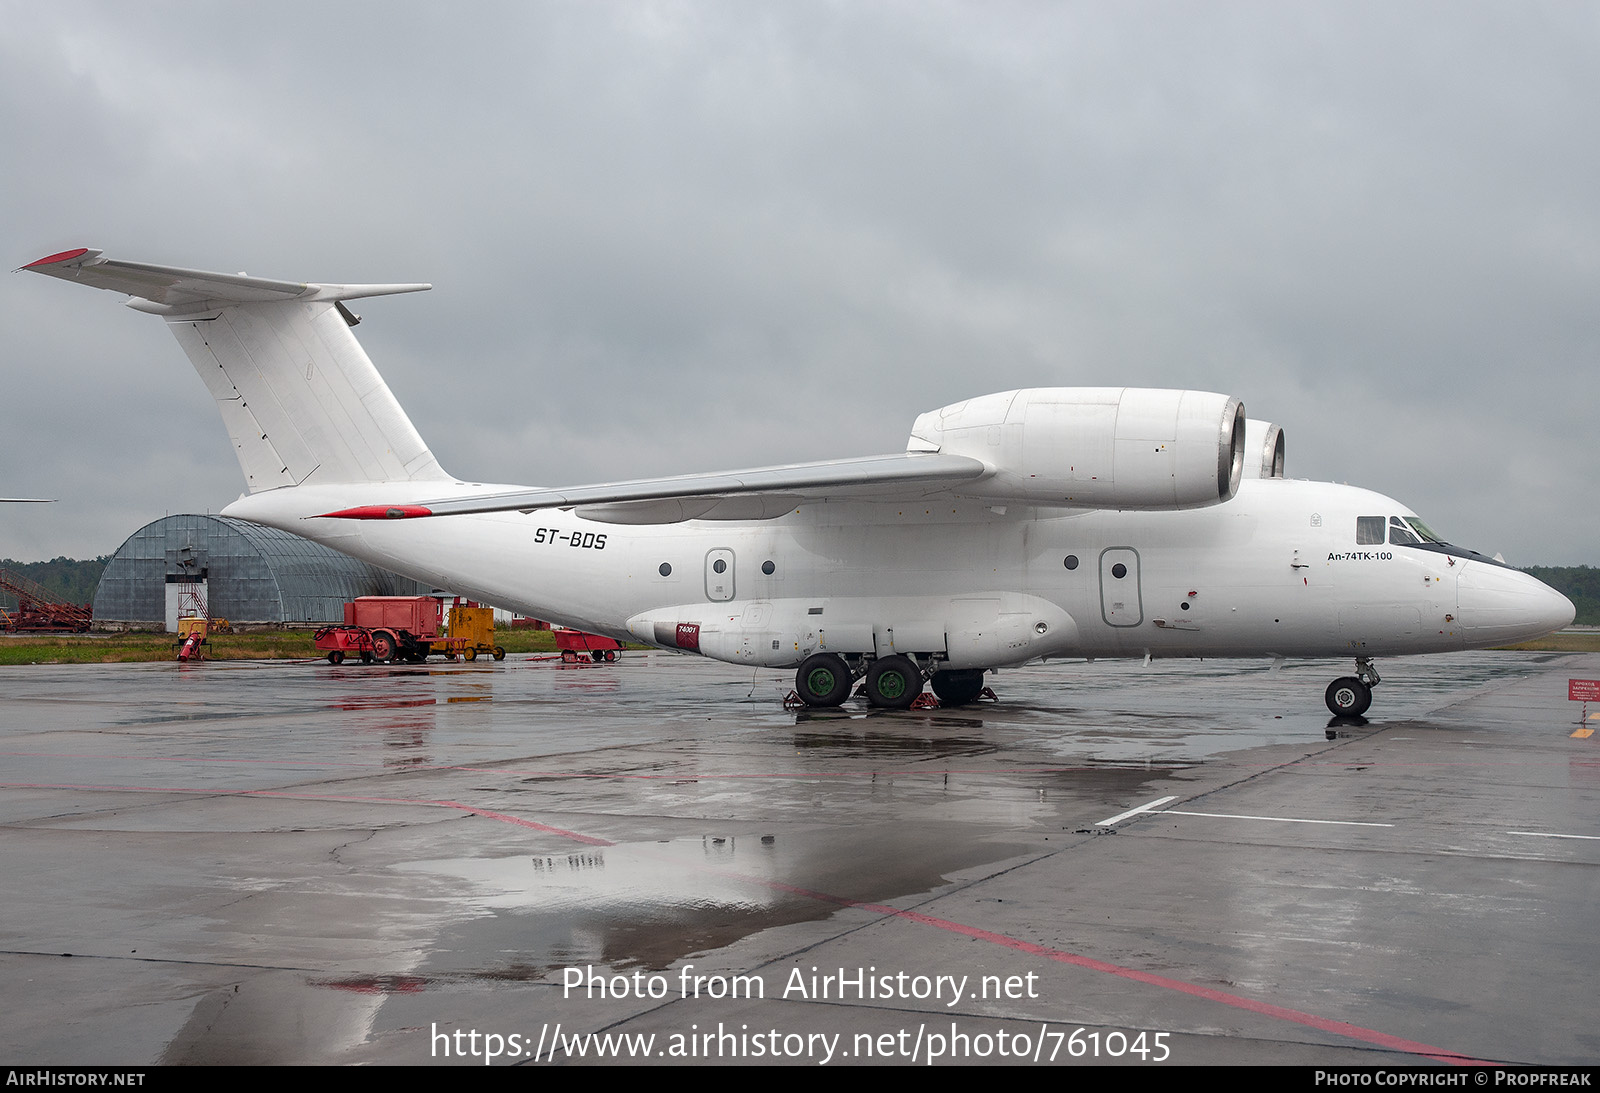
(1583, 690)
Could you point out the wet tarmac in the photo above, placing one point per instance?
(289, 862)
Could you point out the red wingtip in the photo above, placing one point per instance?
(64, 256)
(378, 512)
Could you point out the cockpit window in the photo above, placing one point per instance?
(1369, 530)
(1400, 534)
(1423, 530)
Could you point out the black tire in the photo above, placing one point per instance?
(957, 688)
(470, 654)
(384, 646)
(1348, 697)
(336, 657)
(611, 656)
(597, 656)
(499, 653)
(893, 683)
(823, 680)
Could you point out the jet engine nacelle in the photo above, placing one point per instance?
(1105, 447)
(1263, 447)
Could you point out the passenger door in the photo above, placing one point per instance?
(719, 575)
(1120, 600)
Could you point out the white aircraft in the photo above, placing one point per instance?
(1051, 522)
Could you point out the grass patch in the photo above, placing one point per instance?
(1562, 643)
(525, 641)
(253, 645)
(131, 648)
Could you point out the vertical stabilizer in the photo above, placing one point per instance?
(301, 400)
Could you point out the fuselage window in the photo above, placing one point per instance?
(1369, 530)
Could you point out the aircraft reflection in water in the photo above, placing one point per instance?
(1052, 522)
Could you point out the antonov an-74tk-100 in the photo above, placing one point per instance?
(1051, 522)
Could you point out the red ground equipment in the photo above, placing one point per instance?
(409, 629)
(192, 638)
(38, 609)
(575, 645)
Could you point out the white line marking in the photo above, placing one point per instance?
(1274, 819)
(1119, 817)
(1551, 835)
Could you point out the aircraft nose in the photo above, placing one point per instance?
(1498, 606)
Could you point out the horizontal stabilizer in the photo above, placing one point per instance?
(181, 291)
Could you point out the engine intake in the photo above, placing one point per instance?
(1263, 445)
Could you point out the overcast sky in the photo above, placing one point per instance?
(675, 237)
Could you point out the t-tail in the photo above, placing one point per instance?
(299, 396)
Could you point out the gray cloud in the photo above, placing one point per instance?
(676, 237)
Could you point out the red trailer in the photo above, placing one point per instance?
(394, 628)
(575, 644)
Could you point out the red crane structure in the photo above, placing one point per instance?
(39, 609)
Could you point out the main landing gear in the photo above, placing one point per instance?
(823, 680)
(1350, 696)
(891, 683)
(958, 688)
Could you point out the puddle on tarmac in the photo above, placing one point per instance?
(647, 905)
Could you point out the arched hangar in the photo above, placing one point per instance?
(225, 568)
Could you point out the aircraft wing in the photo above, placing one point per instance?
(755, 494)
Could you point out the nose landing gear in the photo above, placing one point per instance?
(1350, 696)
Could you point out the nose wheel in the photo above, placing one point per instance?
(1350, 696)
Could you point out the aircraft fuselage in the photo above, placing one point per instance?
(1277, 570)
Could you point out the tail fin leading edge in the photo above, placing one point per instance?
(299, 396)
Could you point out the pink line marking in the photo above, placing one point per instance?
(501, 816)
(1211, 994)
